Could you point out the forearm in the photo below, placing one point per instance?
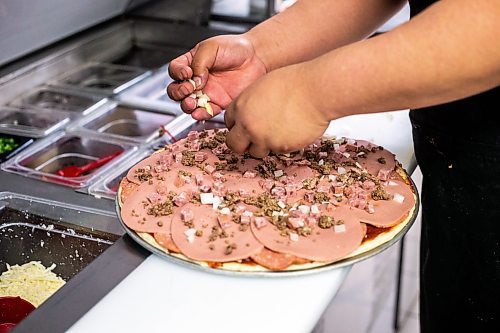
(448, 52)
(310, 28)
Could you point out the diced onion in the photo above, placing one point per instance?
(339, 228)
(294, 237)
(398, 198)
(341, 170)
(304, 209)
(207, 198)
(190, 233)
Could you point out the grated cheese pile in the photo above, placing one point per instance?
(31, 281)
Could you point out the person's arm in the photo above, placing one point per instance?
(448, 52)
(310, 28)
(223, 66)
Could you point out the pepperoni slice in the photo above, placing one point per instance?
(127, 188)
(273, 260)
(235, 244)
(321, 244)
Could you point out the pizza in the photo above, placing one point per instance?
(198, 201)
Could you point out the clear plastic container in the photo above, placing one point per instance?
(10, 145)
(45, 158)
(58, 99)
(107, 187)
(152, 93)
(125, 121)
(31, 122)
(36, 229)
(103, 79)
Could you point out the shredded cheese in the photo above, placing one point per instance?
(31, 281)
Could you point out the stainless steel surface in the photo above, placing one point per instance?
(124, 121)
(32, 122)
(44, 159)
(100, 78)
(110, 44)
(37, 229)
(27, 25)
(270, 274)
(195, 12)
(51, 98)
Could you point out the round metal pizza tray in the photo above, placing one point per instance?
(268, 274)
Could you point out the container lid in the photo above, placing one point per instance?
(31, 122)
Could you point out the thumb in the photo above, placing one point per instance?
(204, 56)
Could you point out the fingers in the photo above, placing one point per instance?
(179, 69)
(237, 140)
(202, 113)
(188, 105)
(204, 57)
(179, 90)
(229, 116)
(258, 150)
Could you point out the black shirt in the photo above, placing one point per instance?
(473, 119)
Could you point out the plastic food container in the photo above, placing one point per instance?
(10, 145)
(124, 121)
(152, 93)
(12, 311)
(32, 122)
(103, 79)
(43, 159)
(107, 187)
(58, 99)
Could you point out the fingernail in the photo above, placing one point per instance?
(184, 90)
(197, 80)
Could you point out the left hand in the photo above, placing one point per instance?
(275, 114)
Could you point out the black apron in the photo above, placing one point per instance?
(457, 146)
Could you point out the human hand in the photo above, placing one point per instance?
(275, 114)
(221, 66)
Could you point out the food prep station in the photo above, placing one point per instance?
(97, 101)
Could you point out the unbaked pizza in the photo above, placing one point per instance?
(198, 201)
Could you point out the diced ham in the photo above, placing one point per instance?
(266, 184)
(224, 221)
(154, 198)
(260, 222)
(195, 146)
(209, 169)
(181, 199)
(239, 208)
(218, 176)
(179, 181)
(161, 189)
(249, 174)
(186, 215)
(193, 135)
(384, 174)
(278, 191)
(220, 149)
(296, 222)
(323, 189)
(368, 185)
(199, 179)
(246, 217)
(309, 196)
(200, 157)
(178, 157)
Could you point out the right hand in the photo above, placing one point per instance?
(221, 66)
